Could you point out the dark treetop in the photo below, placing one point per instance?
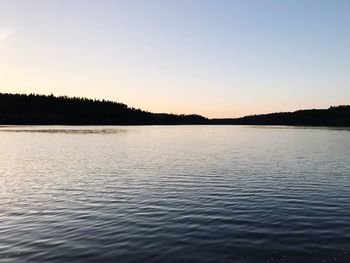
(39, 109)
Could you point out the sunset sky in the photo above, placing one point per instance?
(214, 58)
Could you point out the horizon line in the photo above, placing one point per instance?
(131, 107)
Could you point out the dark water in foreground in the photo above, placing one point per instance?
(174, 194)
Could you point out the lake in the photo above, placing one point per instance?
(174, 194)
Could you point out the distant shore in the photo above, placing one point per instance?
(32, 109)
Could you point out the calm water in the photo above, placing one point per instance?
(174, 194)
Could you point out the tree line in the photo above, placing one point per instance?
(333, 116)
(47, 110)
(33, 109)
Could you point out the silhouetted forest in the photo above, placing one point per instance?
(334, 116)
(40, 109)
(48, 110)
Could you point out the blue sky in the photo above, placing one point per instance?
(215, 58)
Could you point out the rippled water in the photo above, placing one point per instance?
(174, 194)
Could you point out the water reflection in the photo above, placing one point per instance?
(64, 130)
(174, 194)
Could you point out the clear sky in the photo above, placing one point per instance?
(215, 58)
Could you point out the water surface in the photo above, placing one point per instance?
(174, 194)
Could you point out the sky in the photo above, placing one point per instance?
(215, 58)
